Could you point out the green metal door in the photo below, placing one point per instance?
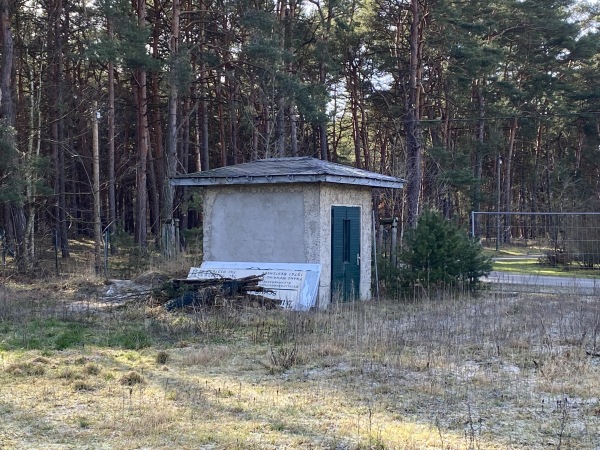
(345, 252)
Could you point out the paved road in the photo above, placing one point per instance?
(544, 283)
(516, 258)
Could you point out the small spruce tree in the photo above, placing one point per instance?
(439, 255)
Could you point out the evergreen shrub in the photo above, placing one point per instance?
(439, 255)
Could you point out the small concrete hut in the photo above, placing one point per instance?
(293, 210)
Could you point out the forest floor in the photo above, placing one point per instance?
(87, 363)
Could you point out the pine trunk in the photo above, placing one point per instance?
(112, 202)
(171, 154)
(15, 213)
(413, 126)
(140, 89)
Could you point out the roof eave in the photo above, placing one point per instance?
(281, 179)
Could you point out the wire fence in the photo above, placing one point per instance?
(566, 239)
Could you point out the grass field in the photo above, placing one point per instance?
(529, 260)
(494, 372)
(533, 267)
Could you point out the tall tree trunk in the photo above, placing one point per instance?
(353, 83)
(203, 119)
(286, 15)
(293, 130)
(480, 140)
(6, 96)
(256, 131)
(326, 20)
(140, 89)
(233, 116)
(222, 139)
(112, 202)
(186, 163)
(59, 135)
(508, 176)
(153, 185)
(323, 148)
(96, 187)
(364, 136)
(280, 128)
(171, 153)
(536, 165)
(413, 125)
(33, 153)
(14, 211)
(157, 158)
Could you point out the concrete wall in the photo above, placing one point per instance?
(262, 223)
(283, 223)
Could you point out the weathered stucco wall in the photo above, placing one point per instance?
(261, 223)
(284, 223)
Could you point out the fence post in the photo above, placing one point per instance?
(56, 251)
(176, 235)
(394, 242)
(375, 256)
(106, 243)
(3, 246)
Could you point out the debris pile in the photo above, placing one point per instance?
(188, 293)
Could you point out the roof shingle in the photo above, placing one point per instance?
(287, 170)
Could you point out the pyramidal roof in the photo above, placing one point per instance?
(288, 170)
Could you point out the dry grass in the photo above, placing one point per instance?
(495, 372)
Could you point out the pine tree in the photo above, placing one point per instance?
(437, 254)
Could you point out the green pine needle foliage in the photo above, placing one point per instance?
(439, 255)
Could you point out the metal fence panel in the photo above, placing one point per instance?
(564, 238)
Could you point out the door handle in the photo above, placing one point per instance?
(358, 259)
